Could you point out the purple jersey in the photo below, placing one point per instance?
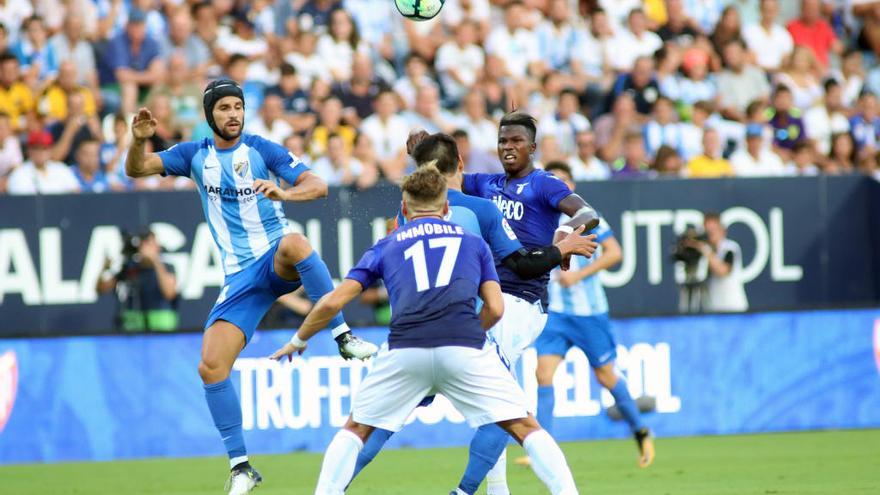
(433, 270)
(531, 206)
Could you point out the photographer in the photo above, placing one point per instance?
(724, 290)
(146, 287)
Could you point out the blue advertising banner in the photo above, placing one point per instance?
(806, 243)
(113, 397)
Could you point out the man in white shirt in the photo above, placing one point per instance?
(459, 62)
(769, 41)
(634, 42)
(740, 83)
(757, 159)
(558, 39)
(822, 121)
(482, 132)
(271, 124)
(565, 123)
(585, 165)
(388, 131)
(39, 175)
(725, 289)
(337, 167)
(515, 44)
(427, 113)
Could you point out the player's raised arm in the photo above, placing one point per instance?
(138, 163)
(325, 309)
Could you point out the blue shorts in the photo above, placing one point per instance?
(248, 294)
(592, 334)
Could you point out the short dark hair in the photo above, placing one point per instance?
(439, 149)
(235, 58)
(459, 133)
(521, 118)
(288, 69)
(712, 216)
(569, 91)
(558, 165)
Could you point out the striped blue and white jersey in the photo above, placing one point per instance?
(245, 225)
(587, 297)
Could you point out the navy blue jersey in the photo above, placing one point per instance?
(480, 217)
(433, 270)
(531, 205)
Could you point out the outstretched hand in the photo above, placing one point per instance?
(143, 126)
(288, 350)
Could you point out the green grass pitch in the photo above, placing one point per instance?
(839, 462)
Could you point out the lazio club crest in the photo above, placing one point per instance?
(241, 168)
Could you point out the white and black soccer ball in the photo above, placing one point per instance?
(419, 10)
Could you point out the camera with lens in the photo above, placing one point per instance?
(685, 252)
(131, 245)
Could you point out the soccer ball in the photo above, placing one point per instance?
(419, 10)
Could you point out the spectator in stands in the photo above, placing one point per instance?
(756, 160)
(786, 121)
(203, 40)
(611, 128)
(271, 124)
(295, 101)
(633, 161)
(663, 128)
(243, 39)
(130, 64)
(641, 83)
(310, 65)
(357, 95)
(865, 125)
(337, 167)
(365, 153)
(167, 133)
(558, 39)
(38, 58)
(330, 122)
(679, 28)
(802, 160)
(78, 126)
(10, 150)
(728, 29)
(184, 93)
(113, 151)
(869, 166)
(515, 44)
(16, 98)
(770, 42)
(851, 76)
(13, 14)
(88, 167)
(740, 83)
(498, 90)
(70, 44)
(799, 76)
(482, 132)
(53, 103)
(590, 65)
(427, 113)
(146, 286)
(476, 161)
(692, 132)
(634, 43)
(565, 123)
(40, 174)
(339, 44)
(704, 12)
(585, 165)
(667, 162)
(710, 164)
(315, 14)
(695, 83)
(843, 154)
(813, 31)
(416, 76)
(725, 287)
(388, 131)
(828, 118)
(460, 61)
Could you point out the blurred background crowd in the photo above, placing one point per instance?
(621, 88)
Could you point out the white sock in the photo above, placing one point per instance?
(549, 463)
(235, 461)
(496, 478)
(339, 461)
(341, 329)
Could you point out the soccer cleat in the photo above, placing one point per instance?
(646, 447)
(352, 347)
(523, 461)
(243, 480)
(645, 403)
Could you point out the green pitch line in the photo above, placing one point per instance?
(827, 463)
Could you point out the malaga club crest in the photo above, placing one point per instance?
(8, 385)
(241, 168)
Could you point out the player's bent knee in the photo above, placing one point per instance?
(294, 248)
(212, 371)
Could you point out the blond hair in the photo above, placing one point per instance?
(425, 189)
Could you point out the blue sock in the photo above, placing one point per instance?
(226, 411)
(627, 405)
(486, 447)
(316, 279)
(371, 449)
(546, 403)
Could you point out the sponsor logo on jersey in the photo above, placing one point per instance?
(241, 168)
(228, 193)
(512, 210)
(508, 230)
(8, 385)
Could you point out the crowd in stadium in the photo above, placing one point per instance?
(621, 88)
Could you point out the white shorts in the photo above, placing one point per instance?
(475, 381)
(519, 327)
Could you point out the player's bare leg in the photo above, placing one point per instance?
(547, 365)
(221, 345)
(337, 468)
(296, 260)
(548, 461)
(609, 379)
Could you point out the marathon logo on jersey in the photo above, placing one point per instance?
(512, 210)
(429, 229)
(8, 386)
(241, 168)
(229, 194)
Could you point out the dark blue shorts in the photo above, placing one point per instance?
(591, 334)
(248, 294)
